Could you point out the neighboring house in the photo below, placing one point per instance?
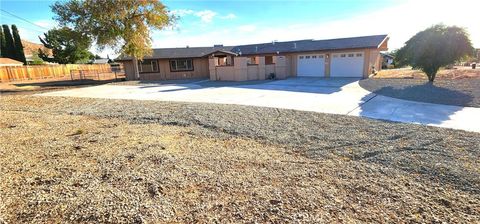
(101, 61)
(9, 62)
(478, 55)
(387, 60)
(345, 57)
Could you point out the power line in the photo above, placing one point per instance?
(18, 17)
(26, 27)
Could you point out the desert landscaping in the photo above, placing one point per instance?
(224, 112)
(88, 160)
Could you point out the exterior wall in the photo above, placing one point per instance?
(374, 62)
(243, 72)
(129, 70)
(269, 69)
(252, 72)
(372, 57)
(200, 70)
(285, 66)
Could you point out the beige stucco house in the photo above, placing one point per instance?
(345, 57)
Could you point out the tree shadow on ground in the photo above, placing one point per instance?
(448, 92)
(303, 84)
(65, 83)
(421, 104)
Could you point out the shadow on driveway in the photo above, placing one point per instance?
(302, 84)
(395, 104)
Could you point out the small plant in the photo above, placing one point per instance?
(271, 76)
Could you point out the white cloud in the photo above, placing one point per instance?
(229, 16)
(48, 24)
(29, 34)
(206, 15)
(400, 22)
(182, 12)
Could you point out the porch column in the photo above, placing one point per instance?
(240, 69)
(281, 67)
(212, 69)
(261, 68)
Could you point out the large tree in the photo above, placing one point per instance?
(124, 25)
(19, 53)
(435, 47)
(3, 44)
(9, 43)
(68, 46)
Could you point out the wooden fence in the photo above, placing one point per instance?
(69, 71)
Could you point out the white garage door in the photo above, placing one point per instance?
(347, 64)
(311, 65)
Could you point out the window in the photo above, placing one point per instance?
(252, 60)
(350, 55)
(269, 60)
(147, 66)
(301, 57)
(307, 57)
(320, 56)
(359, 54)
(181, 65)
(343, 55)
(314, 56)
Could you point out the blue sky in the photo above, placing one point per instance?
(230, 22)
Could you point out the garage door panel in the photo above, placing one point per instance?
(312, 65)
(347, 64)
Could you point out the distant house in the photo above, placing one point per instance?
(478, 55)
(101, 61)
(387, 60)
(9, 62)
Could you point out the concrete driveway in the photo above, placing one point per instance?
(336, 96)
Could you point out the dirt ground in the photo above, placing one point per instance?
(39, 86)
(459, 72)
(120, 161)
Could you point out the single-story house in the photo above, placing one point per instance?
(101, 61)
(9, 62)
(387, 60)
(345, 57)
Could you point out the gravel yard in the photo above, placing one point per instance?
(95, 160)
(459, 92)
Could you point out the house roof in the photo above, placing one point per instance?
(311, 45)
(101, 61)
(271, 48)
(9, 62)
(386, 55)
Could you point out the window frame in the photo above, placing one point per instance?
(270, 56)
(176, 64)
(254, 59)
(140, 63)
